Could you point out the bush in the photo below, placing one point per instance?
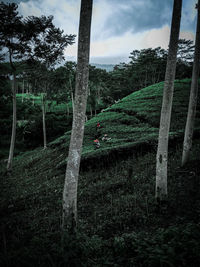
(174, 246)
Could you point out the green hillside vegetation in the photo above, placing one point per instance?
(134, 121)
(51, 105)
(119, 222)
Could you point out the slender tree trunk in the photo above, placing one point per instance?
(91, 111)
(162, 150)
(145, 81)
(67, 110)
(44, 121)
(187, 144)
(13, 136)
(72, 95)
(23, 92)
(69, 220)
(99, 95)
(27, 87)
(158, 78)
(72, 98)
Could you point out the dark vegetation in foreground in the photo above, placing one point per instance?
(119, 222)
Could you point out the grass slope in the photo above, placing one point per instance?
(133, 123)
(119, 222)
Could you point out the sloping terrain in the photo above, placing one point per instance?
(119, 221)
(133, 123)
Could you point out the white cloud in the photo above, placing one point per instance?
(102, 11)
(65, 12)
(160, 37)
(29, 8)
(157, 37)
(123, 45)
(188, 13)
(117, 45)
(103, 43)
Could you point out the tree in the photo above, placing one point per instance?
(185, 56)
(189, 129)
(185, 50)
(96, 89)
(162, 150)
(48, 50)
(69, 219)
(11, 28)
(63, 84)
(28, 39)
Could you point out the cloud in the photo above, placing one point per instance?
(121, 46)
(66, 12)
(189, 13)
(13, 1)
(138, 15)
(160, 37)
(118, 26)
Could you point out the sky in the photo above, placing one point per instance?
(118, 26)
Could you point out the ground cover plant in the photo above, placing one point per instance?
(119, 220)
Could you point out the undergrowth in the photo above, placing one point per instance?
(119, 222)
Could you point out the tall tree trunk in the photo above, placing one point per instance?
(72, 98)
(158, 77)
(72, 95)
(69, 219)
(91, 111)
(187, 144)
(27, 85)
(145, 81)
(162, 150)
(13, 136)
(23, 91)
(67, 110)
(44, 121)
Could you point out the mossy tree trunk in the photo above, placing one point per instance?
(162, 150)
(69, 219)
(189, 129)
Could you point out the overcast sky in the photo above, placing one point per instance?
(118, 26)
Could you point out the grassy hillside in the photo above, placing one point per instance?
(119, 222)
(133, 122)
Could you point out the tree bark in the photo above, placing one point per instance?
(69, 218)
(13, 136)
(189, 129)
(162, 150)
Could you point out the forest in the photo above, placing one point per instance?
(98, 167)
